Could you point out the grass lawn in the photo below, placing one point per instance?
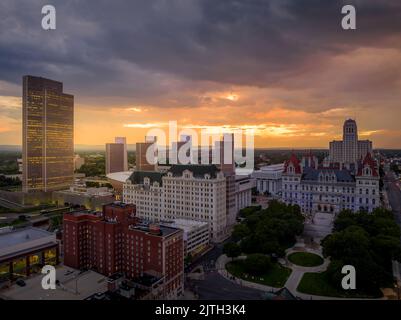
(305, 259)
(318, 284)
(274, 277)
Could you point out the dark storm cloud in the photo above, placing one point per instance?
(137, 48)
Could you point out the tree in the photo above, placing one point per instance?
(271, 230)
(245, 212)
(369, 242)
(257, 264)
(231, 250)
(240, 231)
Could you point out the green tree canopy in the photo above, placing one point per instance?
(271, 230)
(367, 241)
(232, 250)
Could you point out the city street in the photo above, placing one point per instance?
(215, 286)
(394, 197)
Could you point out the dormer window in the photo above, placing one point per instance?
(207, 176)
(146, 181)
(291, 169)
(368, 172)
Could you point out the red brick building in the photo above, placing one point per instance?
(115, 240)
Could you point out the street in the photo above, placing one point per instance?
(215, 286)
(394, 197)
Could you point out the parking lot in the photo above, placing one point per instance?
(73, 285)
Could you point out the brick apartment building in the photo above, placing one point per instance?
(116, 241)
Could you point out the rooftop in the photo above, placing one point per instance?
(154, 229)
(198, 170)
(273, 167)
(23, 241)
(137, 177)
(342, 175)
(21, 236)
(186, 225)
(119, 176)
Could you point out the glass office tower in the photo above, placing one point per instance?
(48, 135)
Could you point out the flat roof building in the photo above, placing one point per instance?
(196, 234)
(90, 198)
(116, 241)
(25, 251)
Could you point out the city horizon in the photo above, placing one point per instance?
(186, 152)
(238, 73)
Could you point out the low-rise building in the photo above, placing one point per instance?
(243, 191)
(268, 179)
(90, 198)
(25, 251)
(196, 234)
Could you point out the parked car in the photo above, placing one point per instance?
(21, 283)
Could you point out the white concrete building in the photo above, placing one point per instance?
(350, 149)
(268, 179)
(243, 192)
(193, 192)
(196, 234)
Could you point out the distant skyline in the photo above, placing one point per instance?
(284, 68)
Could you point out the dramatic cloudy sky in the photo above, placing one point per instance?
(283, 67)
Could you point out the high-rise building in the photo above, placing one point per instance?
(178, 151)
(225, 151)
(123, 140)
(48, 135)
(142, 163)
(350, 149)
(116, 241)
(116, 156)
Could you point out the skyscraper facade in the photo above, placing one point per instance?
(116, 156)
(123, 140)
(142, 163)
(48, 135)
